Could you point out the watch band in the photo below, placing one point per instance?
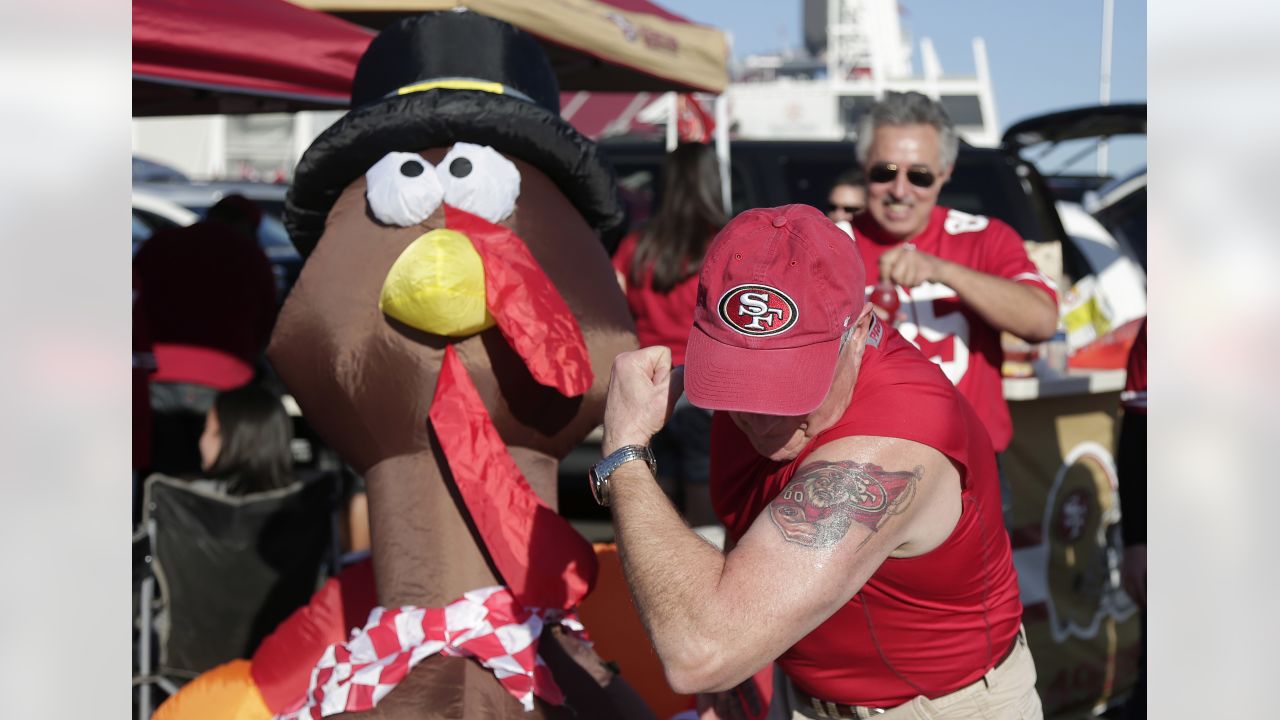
(600, 472)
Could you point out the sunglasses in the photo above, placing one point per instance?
(919, 175)
(849, 209)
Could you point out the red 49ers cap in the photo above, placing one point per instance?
(778, 288)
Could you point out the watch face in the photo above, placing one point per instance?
(594, 480)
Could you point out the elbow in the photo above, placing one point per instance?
(698, 670)
(1042, 324)
(1044, 328)
(684, 683)
(692, 681)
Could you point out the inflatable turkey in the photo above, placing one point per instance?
(450, 336)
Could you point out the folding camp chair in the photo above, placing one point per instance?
(229, 569)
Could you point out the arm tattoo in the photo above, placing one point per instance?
(819, 505)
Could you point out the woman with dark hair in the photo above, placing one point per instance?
(245, 445)
(658, 270)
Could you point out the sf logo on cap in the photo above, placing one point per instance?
(757, 310)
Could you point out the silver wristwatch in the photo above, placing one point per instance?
(600, 472)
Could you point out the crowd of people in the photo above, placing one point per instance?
(784, 391)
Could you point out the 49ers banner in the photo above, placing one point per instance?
(1082, 628)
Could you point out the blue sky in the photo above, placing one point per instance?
(1044, 54)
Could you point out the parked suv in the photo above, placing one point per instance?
(1119, 204)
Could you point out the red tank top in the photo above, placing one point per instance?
(925, 625)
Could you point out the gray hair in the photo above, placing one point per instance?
(909, 108)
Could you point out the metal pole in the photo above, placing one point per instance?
(304, 124)
(986, 97)
(1104, 79)
(673, 117)
(147, 591)
(216, 162)
(722, 151)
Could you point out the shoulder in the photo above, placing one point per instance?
(960, 223)
(626, 249)
(905, 491)
(888, 454)
(992, 244)
(899, 387)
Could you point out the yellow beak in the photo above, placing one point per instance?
(437, 286)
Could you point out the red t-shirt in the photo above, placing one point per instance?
(944, 328)
(926, 625)
(661, 318)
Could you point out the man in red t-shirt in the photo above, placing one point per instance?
(857, 488)
(961, 278)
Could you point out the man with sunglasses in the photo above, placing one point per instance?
(848, 196)
(961, 278)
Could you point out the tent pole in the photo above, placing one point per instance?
(673, 120)
(722, 152)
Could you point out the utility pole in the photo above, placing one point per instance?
(1104, 78)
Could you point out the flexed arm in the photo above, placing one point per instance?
(716, 618)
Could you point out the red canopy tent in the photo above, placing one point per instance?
(243, 56)
(603, 45)
(240, 56)
(198, 57)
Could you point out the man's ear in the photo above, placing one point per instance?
(862, 326)
(945, 175)
(864, 318)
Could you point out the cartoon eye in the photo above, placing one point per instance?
(402, 189)
(478, 179)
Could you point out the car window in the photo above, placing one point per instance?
(273, 208)
(809, 178)
(741, 190)
(273, 237)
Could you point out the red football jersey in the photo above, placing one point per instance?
(661, 318)
(926, 625)
(935, 320)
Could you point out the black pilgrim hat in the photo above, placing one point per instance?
(435, 79)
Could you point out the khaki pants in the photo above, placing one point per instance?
(1006, 692)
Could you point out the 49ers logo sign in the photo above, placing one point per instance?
(757, 310)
